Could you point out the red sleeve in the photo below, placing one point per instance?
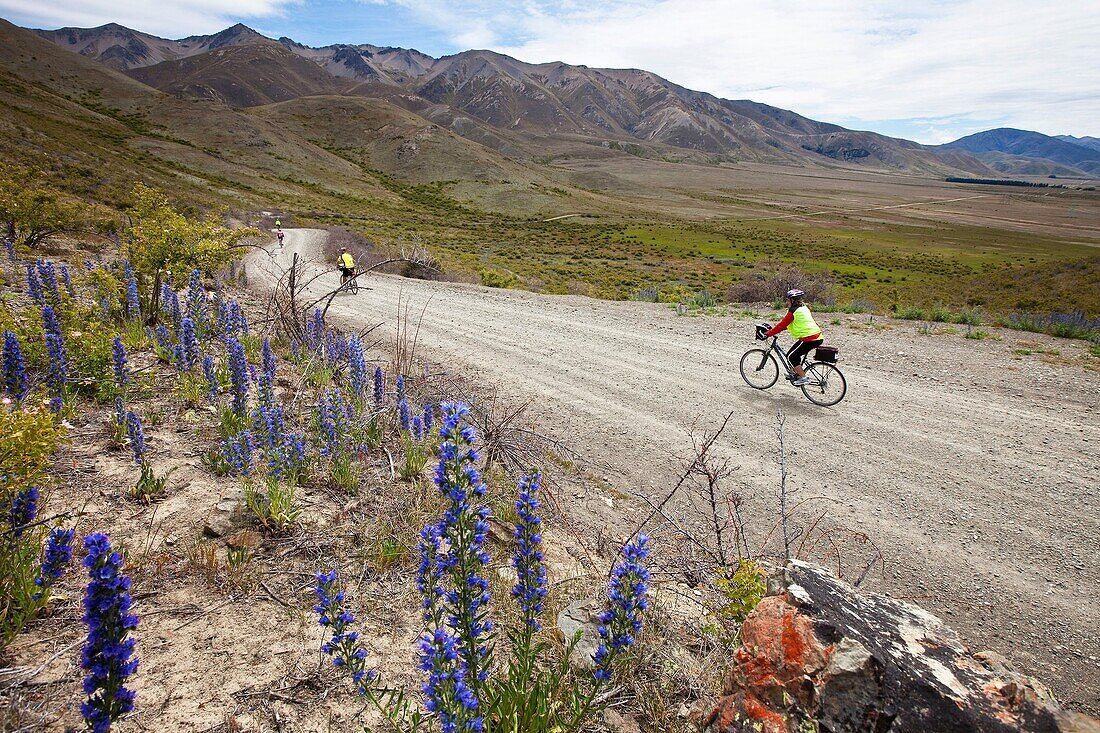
(778, 328)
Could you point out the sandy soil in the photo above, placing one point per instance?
(972, 466)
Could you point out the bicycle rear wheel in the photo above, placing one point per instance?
(758, 369)
(827, 385)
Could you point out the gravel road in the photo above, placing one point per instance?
(973, 467)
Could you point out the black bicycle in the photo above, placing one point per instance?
(826, 385)
(349, 281)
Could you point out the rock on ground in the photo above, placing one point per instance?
(818, 656)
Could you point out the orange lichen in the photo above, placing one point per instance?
(773, 722)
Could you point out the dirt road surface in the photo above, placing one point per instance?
(974, 467)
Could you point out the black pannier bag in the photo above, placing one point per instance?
(827, 354)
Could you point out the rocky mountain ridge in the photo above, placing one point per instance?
(482, 95)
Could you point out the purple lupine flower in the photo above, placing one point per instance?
(285, 451)
(57, 370)
(403, 415)
(344, 647)
(400, 388)
(22, 510)
(9, 244)
(213, 387)
(196, 301)
(55, 558)
(15, 369)
(67, 279)
(133, 303)
(47, 275)
(137, 437)
(240, 322)
(50, 324)
(176, 311)
(463, 529)
(287, 459)
(34, 285)
(164, 339)
(238, 375)
(108, 655)
(318, 330)
(188, 352)
(429, 418)
(379, 387)
(429, 576)
(530, 587)
(57, 365)
(446, 691)
(225, 323)
(267, 359)
(120, 414)
(357, 368)
(237, 450)
(164, 298)
(118, 357)
(417, 428)
(621, 622)
(334, 422)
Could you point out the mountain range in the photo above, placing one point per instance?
(513, 107)
(507, 112)
(1009, 150)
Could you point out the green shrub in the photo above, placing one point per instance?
(910, 313)
(703, 300)
(969, 317)
(496, 279)
(28, 440)
(741, 590)
(416, 458)
(276, 507)
(938, 314)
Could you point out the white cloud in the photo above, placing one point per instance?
(1017, 62)
(168, 19)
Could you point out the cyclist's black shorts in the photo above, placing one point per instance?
(346, 272)
(801, 349)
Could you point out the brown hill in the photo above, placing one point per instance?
(507, 104)
(97, 131)
(123, 49)
(246, 75)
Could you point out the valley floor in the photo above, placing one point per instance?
(970, 463)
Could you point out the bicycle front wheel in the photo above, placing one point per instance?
(827, 385)
(758, 369)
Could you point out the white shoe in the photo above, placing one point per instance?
(800, 381)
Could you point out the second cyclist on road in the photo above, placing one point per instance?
(346, 264)
(801, 325)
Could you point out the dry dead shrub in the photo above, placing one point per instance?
(769, 281)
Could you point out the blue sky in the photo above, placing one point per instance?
(929, 70)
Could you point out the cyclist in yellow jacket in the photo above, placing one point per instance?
(800, 323)
(346, 264)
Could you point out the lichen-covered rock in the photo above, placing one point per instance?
(818, 656)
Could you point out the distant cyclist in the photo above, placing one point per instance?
(279, 234)
(800, 323)
(346, 264)
(278, 224)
